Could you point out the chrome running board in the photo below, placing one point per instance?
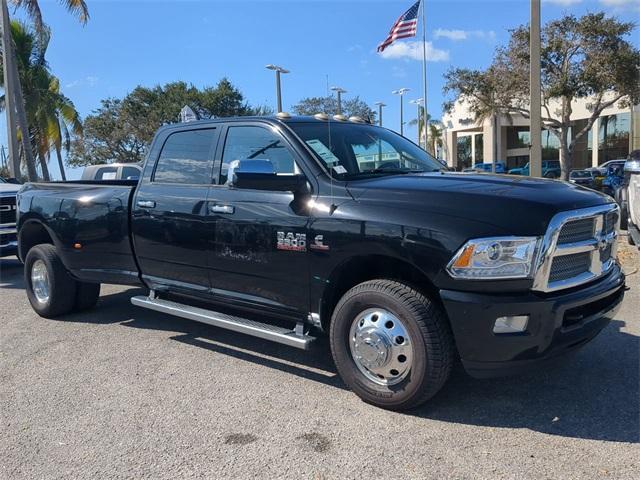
(293, 338)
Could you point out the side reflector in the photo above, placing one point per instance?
(464, 260)
(77, 246)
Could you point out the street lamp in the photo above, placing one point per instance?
(339, 91)
(401, 92)
(419, 102)
(278, 71)
(380, 105)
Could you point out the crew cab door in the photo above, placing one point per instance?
(170, 224)
(249, 266)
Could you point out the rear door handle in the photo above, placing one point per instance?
(146, 203)
(228, 209)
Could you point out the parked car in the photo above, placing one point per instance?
(630, 198)
(8, 238)
(599, 174)
(254, 223)
(487, 167)
(586, 178)
(550, 169)
(614, 177)
(112, 171)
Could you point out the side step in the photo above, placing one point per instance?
(293, 338)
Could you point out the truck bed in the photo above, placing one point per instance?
(89, 222)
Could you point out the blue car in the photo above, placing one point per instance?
(488, 167)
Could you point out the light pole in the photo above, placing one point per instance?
(401, 92)
(339, 91)
(419, 102)
(535, 152)
(278, 71)
(380, 105)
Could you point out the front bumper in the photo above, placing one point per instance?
(8, 241)
(558, 323)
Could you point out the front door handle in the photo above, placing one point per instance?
(228, 209)
(146, 203)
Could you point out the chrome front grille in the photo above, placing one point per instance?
(7, 210)
(579, 246)
(569, 266)
(577, 231)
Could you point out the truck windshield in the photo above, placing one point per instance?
(351, 151)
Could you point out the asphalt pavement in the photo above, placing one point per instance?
(121, 392)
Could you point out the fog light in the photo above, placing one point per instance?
(511, 324)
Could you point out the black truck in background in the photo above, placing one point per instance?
(287, 227)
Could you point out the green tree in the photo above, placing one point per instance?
(329, 105)
(587, 57)
(13, 86)
(50, 115)
(120, 130)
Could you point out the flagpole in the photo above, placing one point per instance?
(424, 73)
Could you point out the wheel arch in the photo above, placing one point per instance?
(369, 267)
(31, 233)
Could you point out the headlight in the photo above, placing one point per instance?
(495, 258)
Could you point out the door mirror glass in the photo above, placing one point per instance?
(261, 175)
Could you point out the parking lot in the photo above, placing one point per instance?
(124, 392)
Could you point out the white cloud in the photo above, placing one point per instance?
(413, 51)
(89, 81)
(563, 3)
(457, 35)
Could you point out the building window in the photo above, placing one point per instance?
(518, 161)
(518, 137)
(581, 155)
(479, 148)
(550, 146)
(464, 152)
(613, 137)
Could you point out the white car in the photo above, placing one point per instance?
(632, 201)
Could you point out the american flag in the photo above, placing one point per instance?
(405, 27)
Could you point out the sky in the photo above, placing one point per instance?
(322, 42)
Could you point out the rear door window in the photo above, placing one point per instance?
(107, 173)
(186, 158)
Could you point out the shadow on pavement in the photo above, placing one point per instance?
(11, 273)
(592, 394)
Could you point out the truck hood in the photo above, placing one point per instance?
(7, 189)
(521, 205)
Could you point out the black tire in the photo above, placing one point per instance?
(87, 295)
(630, 238)
(430, 334)
(62, 288)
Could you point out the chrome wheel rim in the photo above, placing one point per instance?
(381, 346)
(40, 281)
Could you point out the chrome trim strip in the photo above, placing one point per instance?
(550, 248)
(8, 231)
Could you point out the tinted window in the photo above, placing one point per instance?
(186, 157)
(255, 143)
(107, 173)
(130, 172)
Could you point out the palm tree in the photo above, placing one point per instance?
(49, 113)
(434, 137)
(11, 80)
(75, 7)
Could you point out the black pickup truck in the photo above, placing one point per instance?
(286, 227)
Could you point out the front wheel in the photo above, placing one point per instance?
(391, 344)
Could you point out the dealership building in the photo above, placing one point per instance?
(506, 137)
